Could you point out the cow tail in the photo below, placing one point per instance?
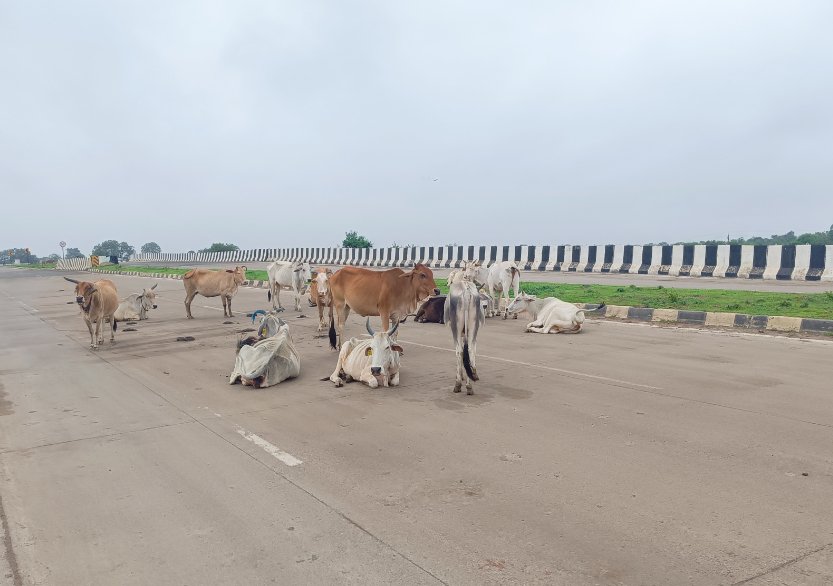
(333, 337)
(269, 293)
(467, 332)
(115, 324)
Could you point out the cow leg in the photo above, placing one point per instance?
(394, 380)
(342, 318)
(321, 324)
(92, 334)
(113, 325)
(297, 300)
(461, 371)
(189, 297)
(228, 301)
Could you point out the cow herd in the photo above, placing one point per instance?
(475, 292)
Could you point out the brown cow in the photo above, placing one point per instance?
(431, 311)
(210, 283)
(390, 294)
(319, 294)
(98, 302)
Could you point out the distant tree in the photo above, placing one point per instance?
(125, 251)
(74, 253)
(220, 247)
(151, 248)
(107, 248)
(191, 252)
(53, 258)
(354, 240)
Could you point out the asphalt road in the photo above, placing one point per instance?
(620, 280)
(627, 454)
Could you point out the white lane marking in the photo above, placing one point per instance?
(270, 449)
(541, 366)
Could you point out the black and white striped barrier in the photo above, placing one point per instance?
(74, 264)
(799, 262)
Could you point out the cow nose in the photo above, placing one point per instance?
(154, 307)
(436, 291)
(79, 300)
(375, 370)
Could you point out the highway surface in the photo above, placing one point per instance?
(627, 454)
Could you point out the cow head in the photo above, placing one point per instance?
(422, 281)
(521, 303)
(475, 273)
(239, 274)
(322, 284)
(384, 353)
(148, 298)
(83, 292)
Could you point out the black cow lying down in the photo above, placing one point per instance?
(431, 311)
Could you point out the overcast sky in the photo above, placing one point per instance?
(272, 124)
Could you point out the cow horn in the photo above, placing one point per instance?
(154, 286)
(369, 329)
(71, 280)
(395, 327)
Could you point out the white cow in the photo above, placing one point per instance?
(502, 277)
(136, 306)
(374, 362)
(267, 359)
(293, 275)
(549, 315)
(464, 315)
(474, 272)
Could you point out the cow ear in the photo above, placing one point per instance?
(368, 351)
(397, 348)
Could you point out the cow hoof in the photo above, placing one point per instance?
(469, 391)
(458, 387)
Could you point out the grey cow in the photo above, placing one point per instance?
(464, 315)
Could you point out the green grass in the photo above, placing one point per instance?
(814, 305)
(251, 275)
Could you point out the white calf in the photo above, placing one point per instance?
(293, 275)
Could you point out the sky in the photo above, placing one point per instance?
(273, 124)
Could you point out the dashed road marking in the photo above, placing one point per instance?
(270, 449)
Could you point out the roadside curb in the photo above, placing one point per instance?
(771, 323)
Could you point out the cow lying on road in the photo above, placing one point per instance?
(268, 359)
(98, 302)
(136, 306)
(431, 311)
(374, 362)
(549, 315)
(208, 283)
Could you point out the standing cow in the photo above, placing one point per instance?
(287, 274)
(98, 302)
(502, 277)
(375, 362)
(390, 294)
(550, 315)
(464, 315)
(319, 294)
(208, 283)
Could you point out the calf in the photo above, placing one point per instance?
(374, 362)
(98, 302)
(464, 315)
(319, 295)
(210, 283)
(549, 315)
(431, 311)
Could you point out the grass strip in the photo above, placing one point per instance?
(812, 305)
